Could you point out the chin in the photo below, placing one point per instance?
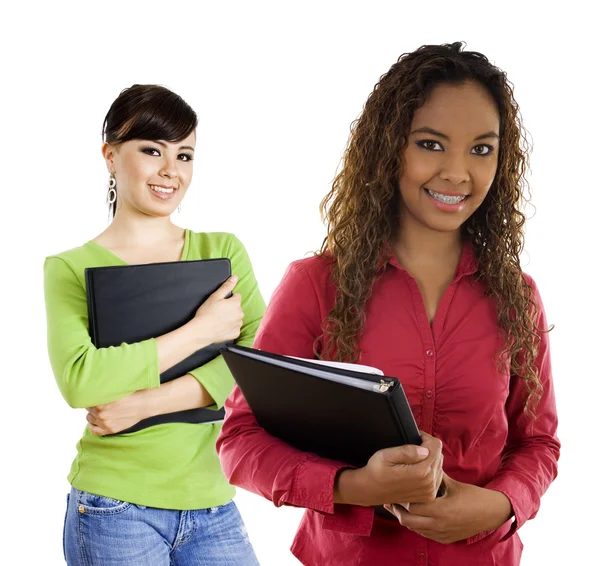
(440, 225)
(158, 211)
(446, 229)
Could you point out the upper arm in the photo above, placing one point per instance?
(253, 304)
(66, 313)
(294, 316)
(544, 422)
(86, 375)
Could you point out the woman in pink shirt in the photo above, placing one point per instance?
(419, 276)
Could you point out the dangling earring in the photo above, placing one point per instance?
(112, 189)
(179, 209)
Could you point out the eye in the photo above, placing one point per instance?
(151, 151)
(430, 145)
(482, 149)
(185, 157)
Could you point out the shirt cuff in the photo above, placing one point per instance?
(313, 484)
(152, 362)
(313, 488)
(216, 378)
(520, 499)
(478, 536)
(508, 526)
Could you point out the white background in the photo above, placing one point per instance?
(276, 86)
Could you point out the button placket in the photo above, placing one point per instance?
(429, 386)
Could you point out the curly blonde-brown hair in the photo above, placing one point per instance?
(361, 211)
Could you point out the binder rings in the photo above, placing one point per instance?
(131, 303)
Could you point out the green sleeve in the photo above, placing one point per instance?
(88, 376)
(215, 375)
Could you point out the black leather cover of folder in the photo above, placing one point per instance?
(131, 303)
(314, 414)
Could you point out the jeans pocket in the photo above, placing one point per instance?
(92, 504)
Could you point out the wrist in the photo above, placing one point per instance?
(349, 488)
(199, 332)
(146, 399)
(499, 508)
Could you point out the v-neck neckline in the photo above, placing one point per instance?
(184, 252)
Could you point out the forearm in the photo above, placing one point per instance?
(180, 394)
(181, 343)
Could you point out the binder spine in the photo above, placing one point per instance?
(92, 320)
(403, 415)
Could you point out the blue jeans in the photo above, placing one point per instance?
(100, 531)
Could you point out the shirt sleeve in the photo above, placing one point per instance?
(88, 376)
(256, 461)
(529, 463)
(215, 375)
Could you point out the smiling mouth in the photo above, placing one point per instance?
(162, 189)
(446, 199)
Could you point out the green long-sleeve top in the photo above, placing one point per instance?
(170, 466)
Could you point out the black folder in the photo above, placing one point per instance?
(131, 303)
(335, 413)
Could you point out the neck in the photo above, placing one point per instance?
(416, 244)
(139, 229)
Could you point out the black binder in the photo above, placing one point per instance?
(131, 303)
(335, 413)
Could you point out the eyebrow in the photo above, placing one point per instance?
(181, 147)
(427, 130)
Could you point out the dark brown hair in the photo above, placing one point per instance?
(362, 209)
(147, 112)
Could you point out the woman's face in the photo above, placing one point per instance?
(152, 176)
(451, 157)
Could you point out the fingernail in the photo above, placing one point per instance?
(233, 278)
(422, 451)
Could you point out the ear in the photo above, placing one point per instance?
(108, 152)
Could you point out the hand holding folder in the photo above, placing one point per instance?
(323, 407)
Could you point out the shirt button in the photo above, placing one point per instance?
(421, 556)
(429, 353)
(429, 394)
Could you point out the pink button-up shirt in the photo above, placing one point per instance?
(457, 393)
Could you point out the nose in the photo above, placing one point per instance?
(169, 167)
(454, 169)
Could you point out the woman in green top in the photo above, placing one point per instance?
(156, 496)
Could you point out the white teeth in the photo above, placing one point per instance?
(161, 189)
(445, 198)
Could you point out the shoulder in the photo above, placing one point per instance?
(71, 256)
(536, 296)
(316, 268)
(213, 244)
(72, 261)
(530, 282)
(310, 276)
